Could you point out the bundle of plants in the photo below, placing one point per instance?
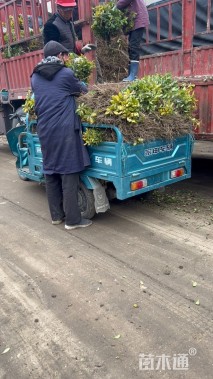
(81, 66)
(9, 35)
(23, 47)
(156, 106)
(113, 58)
(108, 21)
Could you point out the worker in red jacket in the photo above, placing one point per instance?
(135, 36)
(60, 28)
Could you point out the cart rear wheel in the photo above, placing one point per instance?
(22, 176)
(86, 201)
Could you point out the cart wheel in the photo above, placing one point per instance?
(86, 201)
(22, 176)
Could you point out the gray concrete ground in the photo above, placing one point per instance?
(203, 149)
(116, 300)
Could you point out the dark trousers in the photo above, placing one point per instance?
(134, 46)
(62, 195)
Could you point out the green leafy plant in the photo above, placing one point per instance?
(184, 99)
(81, 66)
(93, 137)
(22, 47)
(164, 95)
(12, 29)
(156, 106)
(126, 106)
(12, 51)
(29, 106)
(130, 21)
(138, 141)
(108, 21)
(86, 114)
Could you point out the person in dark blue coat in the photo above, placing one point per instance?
(59, 129)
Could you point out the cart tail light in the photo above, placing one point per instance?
(138, 185)
(177, 173)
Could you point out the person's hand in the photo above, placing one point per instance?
(84, 87)
(88, 47)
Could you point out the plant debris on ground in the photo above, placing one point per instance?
(185, 203)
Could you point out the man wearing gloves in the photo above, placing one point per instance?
(60, 28)
(135, 36)
(59, 129)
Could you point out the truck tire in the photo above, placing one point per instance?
(86, 201)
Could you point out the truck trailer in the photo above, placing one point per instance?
(178, 40)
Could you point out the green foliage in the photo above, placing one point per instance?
(93, 137)
(81, 66)
(154, 106)
(126, 106)
(130, 21)
(22, 47)
(86, 114)
(108, 21)
(12, 29)
(138, 141)
(13, 51)
(164, 95)
(184, 99)
(29, 105)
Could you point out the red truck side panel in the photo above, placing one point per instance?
(188, 62)
(15, 72)
(18, 71)
(204, 94)
(162, 64)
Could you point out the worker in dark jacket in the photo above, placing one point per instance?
(135, 36)
(60, 28)
(59, 130)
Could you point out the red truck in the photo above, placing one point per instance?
(178, 40)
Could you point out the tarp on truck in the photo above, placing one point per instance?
(201, 36)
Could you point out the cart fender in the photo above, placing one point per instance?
(12, 138)
(101, 200)
(88, 181)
